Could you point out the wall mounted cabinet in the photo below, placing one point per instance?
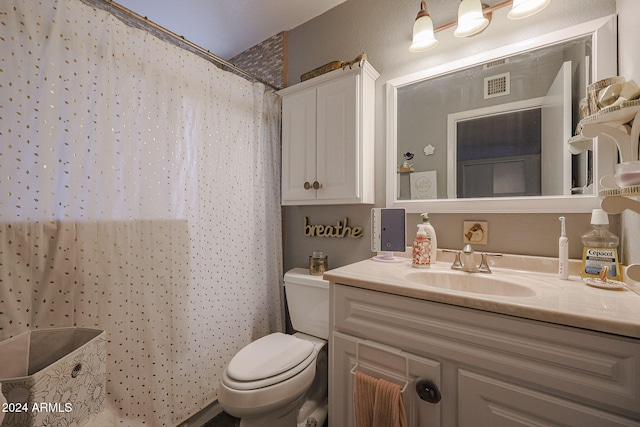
(328, 138)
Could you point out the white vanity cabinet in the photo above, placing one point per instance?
(490, 369)
(328, 138)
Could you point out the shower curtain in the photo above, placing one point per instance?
(139, 194)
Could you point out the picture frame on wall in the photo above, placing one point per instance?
(424, 185)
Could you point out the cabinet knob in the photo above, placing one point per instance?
(427, 390)
(316, 185)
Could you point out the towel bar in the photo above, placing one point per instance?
(387, 349)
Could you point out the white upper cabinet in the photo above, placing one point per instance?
(328, 138)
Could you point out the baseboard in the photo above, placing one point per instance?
(204, 416)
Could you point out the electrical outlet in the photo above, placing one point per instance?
(476, 232)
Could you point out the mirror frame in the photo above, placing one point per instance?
(604, 64)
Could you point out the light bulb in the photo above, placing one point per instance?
(525, 8)
(423, 35)
(471, 20)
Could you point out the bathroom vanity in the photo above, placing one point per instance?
(510, 348)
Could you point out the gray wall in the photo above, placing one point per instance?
(382, 29)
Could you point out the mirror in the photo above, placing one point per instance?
(388, 233)
(489, 133)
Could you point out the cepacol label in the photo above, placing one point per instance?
(600, 253)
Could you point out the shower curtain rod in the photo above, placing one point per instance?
(180, 39)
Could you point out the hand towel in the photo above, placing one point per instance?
(364, 393)
(388, 409)
(377, 403)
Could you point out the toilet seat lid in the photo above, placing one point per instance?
(268, 356)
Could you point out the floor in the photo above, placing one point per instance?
(223, 420)
(226, 420)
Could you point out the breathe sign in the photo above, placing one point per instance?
(340, 230)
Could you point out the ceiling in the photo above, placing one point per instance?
(228, 27)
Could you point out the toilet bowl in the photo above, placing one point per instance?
(280, 380)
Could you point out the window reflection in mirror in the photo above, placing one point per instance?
(499, 155)
(496, 129)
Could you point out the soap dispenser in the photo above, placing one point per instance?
(424, 244)
(421, 249)
(431, 235)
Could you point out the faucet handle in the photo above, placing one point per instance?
(457, 264)
(484, 264)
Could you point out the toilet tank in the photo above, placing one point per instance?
(308, 302)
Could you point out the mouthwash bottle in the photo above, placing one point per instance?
(600, 248)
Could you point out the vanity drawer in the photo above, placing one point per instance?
(601, 369)
(485, 401)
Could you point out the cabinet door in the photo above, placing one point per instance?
(386, 363)
(299, 145)
(487, 402)
(338, 143)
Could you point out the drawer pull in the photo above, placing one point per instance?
(428, 391)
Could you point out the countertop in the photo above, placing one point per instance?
(565, 302)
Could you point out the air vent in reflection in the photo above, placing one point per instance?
(498, 85)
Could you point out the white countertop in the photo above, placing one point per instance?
(565, 302)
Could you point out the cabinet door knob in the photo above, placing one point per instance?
(427, 390)
(316, 185)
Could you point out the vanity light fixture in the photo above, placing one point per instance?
(423, 35)
(526, 8)
(473, 17)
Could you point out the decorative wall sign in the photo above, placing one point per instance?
(340, 230)
(476, 232)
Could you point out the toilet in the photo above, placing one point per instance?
(280, 380)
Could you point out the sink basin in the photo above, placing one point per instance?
(476, 283)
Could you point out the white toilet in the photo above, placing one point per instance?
(281, 380)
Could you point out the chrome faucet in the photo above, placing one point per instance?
(468, 263)
(465, 260)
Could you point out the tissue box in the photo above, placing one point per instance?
(53, 377)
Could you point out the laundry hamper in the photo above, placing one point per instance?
(53, 377)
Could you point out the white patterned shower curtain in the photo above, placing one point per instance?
(139, 194)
